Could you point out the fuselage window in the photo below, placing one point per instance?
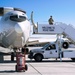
(51, 47)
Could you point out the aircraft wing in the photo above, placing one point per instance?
(40, 40)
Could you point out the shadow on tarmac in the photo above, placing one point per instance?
(33, 61)
(7, 61)
(11, 71)
(48, 61)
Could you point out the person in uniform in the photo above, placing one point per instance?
(51, 20)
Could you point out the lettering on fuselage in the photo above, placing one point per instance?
(48, 28)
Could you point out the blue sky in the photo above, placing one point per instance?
(61, 10)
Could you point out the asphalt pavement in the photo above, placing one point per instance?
(46, 67)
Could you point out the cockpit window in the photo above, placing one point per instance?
(17, 18)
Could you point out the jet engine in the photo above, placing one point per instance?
(65, 45)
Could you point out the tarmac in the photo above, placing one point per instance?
(46, 67)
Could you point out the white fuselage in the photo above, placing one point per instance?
(14, 29)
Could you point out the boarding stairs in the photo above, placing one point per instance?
(57, 28)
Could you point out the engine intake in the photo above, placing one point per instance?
(65, 45)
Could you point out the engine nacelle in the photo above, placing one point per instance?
(65, 45)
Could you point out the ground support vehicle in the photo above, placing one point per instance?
(51, 50)
(21, 64)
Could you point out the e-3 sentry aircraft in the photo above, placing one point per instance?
(14, 27)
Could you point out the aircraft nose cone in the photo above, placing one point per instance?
(19, 36)
(18, 29)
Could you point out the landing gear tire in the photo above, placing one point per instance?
(16, 68)
(12, 56)
(27, 50)
(26, 67)
(38, 58)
